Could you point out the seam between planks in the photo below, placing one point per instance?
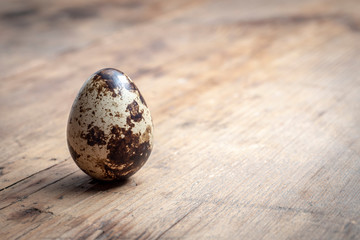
(12, 203)
(21, 180)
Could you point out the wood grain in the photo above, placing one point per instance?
(256, 114)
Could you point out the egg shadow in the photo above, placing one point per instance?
(78, 183)
(99, 185)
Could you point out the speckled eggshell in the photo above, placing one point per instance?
(110, 129)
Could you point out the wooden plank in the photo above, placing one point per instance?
(256, 112)
(36, 31)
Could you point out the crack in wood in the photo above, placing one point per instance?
(179, 220)
(30, 230)
(142, 234)
(259, 206)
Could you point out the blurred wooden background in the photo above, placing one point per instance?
(256, 108)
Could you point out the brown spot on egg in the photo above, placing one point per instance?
(94, 136)
(118, 115)
(129, 122)
(125, 151)
(135, 114)
(120, 142)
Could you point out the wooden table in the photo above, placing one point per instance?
(256, 108)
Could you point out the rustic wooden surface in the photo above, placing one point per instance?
(256, 108)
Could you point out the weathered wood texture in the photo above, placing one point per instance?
(256, 108)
